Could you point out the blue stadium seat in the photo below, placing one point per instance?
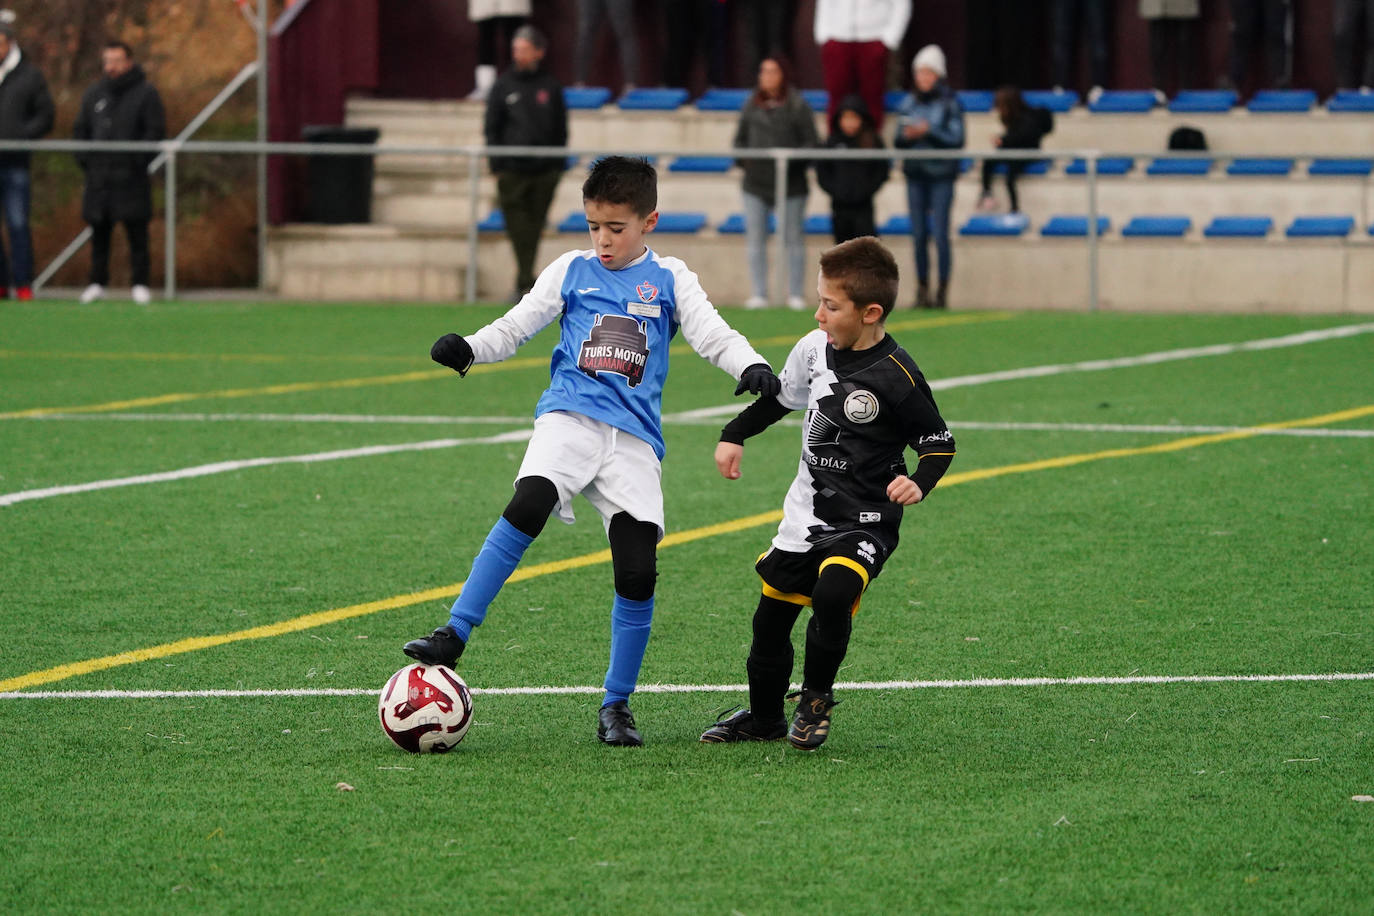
(576, 221)
(1260, 167)
(1106, 165)
(1248, 227)
(701, 164)
(1279, 101)
(1123, 101)
(818, 224)
(1058, 102)
(975, 101)
(1320, 227)
(723, 99)
(892, 99)
(1358, 168)
(1351, 101)
(586, 97)
(655, 99)
(1157, 226)
(818, 99)
(1203, 101)
(734, 224)
(495, 221)
(897, 224)
(1073, 226)
(1200, 165)
(995, 224)
(685, 222)
(1033, 167)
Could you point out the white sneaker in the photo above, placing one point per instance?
(1094, 94)
(92, 293)
(142, 295)
(796, 303)
(756, 302)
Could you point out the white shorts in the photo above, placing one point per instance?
(616, 471)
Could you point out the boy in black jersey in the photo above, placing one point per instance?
(865, 402)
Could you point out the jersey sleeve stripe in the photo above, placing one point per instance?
(903, 368)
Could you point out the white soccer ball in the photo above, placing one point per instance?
(425, 709)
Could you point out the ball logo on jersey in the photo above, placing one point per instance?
(861, 406)
(616, 344)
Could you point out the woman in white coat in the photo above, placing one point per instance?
(496, 22)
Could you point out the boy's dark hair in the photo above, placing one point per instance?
(116, 43)
(865, 270)
(623, 180)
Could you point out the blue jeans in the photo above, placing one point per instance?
(929, 202)
(14, 199)
(756, 242)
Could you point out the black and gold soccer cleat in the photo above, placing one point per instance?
(616, 726)
(811, 724)
(742, 726)
(442, 647)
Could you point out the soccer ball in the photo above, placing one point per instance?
(425, 709)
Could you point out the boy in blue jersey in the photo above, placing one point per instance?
(866, 402)
(598, 428)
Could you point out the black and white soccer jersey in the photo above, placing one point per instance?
(863, 409)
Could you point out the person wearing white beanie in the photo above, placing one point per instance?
(855, 38)
(930, 118)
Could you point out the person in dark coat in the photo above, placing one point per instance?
(526, 108)
(852, 183)
(1024, 127)
(122, 105)
(26, 113)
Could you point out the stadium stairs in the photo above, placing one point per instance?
(417, 245)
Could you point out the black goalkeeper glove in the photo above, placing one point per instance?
(452, 351)
(759, 379)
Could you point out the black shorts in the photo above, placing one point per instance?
(791, 577)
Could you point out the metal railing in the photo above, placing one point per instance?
(168, 151)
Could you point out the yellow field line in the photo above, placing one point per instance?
(321, 618)
(423, 375)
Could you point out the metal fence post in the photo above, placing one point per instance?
(781, 160)
(474, 188)
(170, 224)
(1092, 232)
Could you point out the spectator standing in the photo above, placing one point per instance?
(122, 105)
(1352, 20)
(590, 15)
(775, 116)
(26, 113)
(526, 108)
(930, 118)
(1024, 127)
(496, 22)
(1092, 19)
(770, 31)
(1271, 21)
(855, 37)
(1172, 24)
(852, 183)
(689, 25)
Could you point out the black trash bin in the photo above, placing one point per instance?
(339, 188)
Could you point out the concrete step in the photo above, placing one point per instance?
(372, 262)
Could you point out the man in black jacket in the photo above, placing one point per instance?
(26, 113)
(526, 108)
(122, 105)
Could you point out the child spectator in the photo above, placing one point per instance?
(851, 183)
(598, 427)
(1025, 126)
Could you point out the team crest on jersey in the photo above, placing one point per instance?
(616, 344)
(861, 406)
(647, 291)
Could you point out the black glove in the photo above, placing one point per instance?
(452, 351)
(759, 379)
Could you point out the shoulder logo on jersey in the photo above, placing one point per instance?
(943, 435)
(861, 406)
(618, 345)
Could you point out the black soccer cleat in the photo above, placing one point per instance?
(742, 726)
(616, 726)
(442, 647)
(811, 724)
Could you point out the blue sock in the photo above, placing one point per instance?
(630, 622)
(500, 554)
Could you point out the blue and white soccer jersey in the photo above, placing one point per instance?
(863, 409)
(611, 360)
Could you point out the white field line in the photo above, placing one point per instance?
(1162, 428)
(1088, 681)
(360, 418)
